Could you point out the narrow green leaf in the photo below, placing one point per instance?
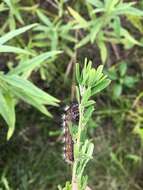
(78, 73)
(11, 107)
(97, 25)
(86, 96)
(103, 50)
(84, 41)
(80, 20)
(117, 26)
(32, 63)
(110, 5)
(7, 110)
(92, 74)
(96, 3)
(30, 89)
(32, 100)
(88, 114)
(9, 3)
(98, 74)
(103, 84)
(129, 11)
(130, 38)
(89, 66)
(43, 18)
(14, 33)
(77, 94)
(11, 49)
(4, 108)
(136, 22)
(89, 103)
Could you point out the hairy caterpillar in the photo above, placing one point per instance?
(71, 116)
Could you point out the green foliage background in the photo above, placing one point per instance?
(39, 45)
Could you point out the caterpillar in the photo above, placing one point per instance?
(71, 116)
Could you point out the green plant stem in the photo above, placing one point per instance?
(78, 143)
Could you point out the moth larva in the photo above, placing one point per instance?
(71, 116)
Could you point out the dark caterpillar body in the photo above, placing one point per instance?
(71, 116)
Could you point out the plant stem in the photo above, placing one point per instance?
(78, 143)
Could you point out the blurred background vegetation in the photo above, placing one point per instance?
(107, 32)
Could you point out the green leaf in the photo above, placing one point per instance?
(85, 73)
(136, 22)
(96, 3)
(98, 74)
(112, 74)
(100, 86)
(135, 158)
(130, 38)
(30, 89)
(97, 25)
(117, 26)
(89, 66)
(88, 114)
(130, 81)
(103, 50)
(30, 99)
(89, 103)
(92, 74)
(110, 5)
(4, 108)
(129, 11)
(77, 94)
(87, 151)
(14, 33)
(11, 49)
(9, 3)
(122, 68)
(86, 96)
(117, 90)
(7, 110)
(43, 18)
(11, 105)
(78, 73)
(31, 64)
(79, 19)
(84, 41)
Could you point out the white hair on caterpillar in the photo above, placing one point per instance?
(66, 108)
(63, 156)
(63, 117)
(63, 123)
(63, 140)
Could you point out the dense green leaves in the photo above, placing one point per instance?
(23, 89)
(96, 29)
(14, 84)
(92, 78)
(121, 79)
(27, 87)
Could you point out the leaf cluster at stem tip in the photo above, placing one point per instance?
(90, 79)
